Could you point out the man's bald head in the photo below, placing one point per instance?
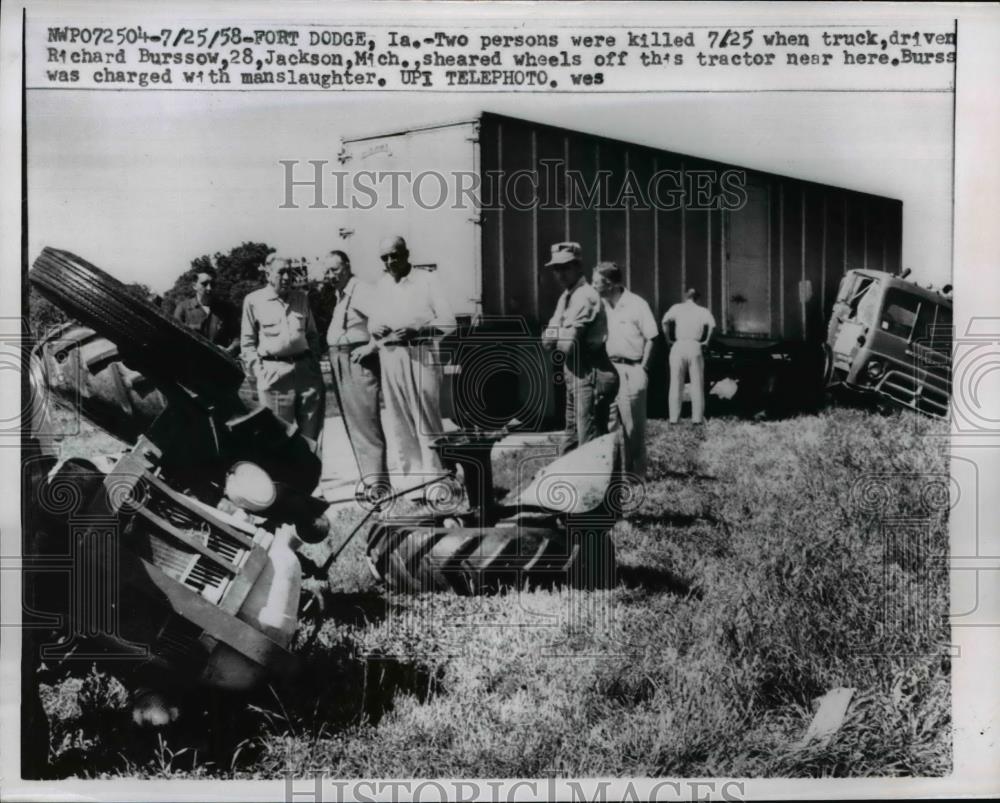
(395, 256)
(388, 244)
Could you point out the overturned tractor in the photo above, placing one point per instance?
(181, 552)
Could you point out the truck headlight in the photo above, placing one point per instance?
(874, 369)
(250, 487)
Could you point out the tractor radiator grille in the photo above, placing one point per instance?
(185, 544)
(178, 642)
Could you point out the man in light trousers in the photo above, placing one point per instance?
(279, 344)
(688, 326)
(632, 333)
(354, 363)
(408, 309)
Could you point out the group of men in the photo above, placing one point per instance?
(607, 335)
(381, 344)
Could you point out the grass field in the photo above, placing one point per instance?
(756, 574)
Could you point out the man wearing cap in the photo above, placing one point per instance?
(578, 330)
(408, 309)
(207, 315)
(688, 326)
(632, 332)
(355, 366)
(280, 348)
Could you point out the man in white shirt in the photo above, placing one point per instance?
(407, 309)
(280, 348)
(688, 326)
(355, 366)
(632, 333)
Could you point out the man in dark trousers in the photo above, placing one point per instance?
(354, 362)
(209, 316)
(579, 330)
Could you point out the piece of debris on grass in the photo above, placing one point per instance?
(725, 388)
(829, 717)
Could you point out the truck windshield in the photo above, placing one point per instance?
(863, 301)
(935, 332)
(899, 315)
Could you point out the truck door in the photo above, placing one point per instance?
(747, 289)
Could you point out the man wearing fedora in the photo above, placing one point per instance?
(578, 331)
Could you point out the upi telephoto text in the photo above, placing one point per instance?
(312, 184)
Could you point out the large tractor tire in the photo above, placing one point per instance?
(150, 341)
(472, 560)
(85, 372)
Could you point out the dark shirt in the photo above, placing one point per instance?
(322, 300)
(218, 324)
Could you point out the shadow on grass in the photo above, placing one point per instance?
(686, 475)
(337, 689)
(671, 519)
(654, 580)
(355, 608)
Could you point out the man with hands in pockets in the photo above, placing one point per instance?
(354, 364)
(280, 347)
(632, 334)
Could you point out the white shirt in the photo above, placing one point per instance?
(415, 301)
(630, 325)
(690, 320)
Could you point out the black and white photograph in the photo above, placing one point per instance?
(403, 396)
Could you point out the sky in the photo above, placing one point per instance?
(141, 183)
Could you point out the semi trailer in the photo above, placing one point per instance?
(480, 201)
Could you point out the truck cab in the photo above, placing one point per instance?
(891, 338)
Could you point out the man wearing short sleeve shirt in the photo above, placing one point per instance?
(688, 326)
(578, 330)
(280, 347)
(632, 332)
(407, 309)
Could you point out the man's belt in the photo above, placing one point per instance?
(348, 346)
(625, 361)
(291, 358)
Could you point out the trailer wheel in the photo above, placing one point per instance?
(149, 339)
(470, 561)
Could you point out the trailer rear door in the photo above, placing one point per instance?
(430, 168)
